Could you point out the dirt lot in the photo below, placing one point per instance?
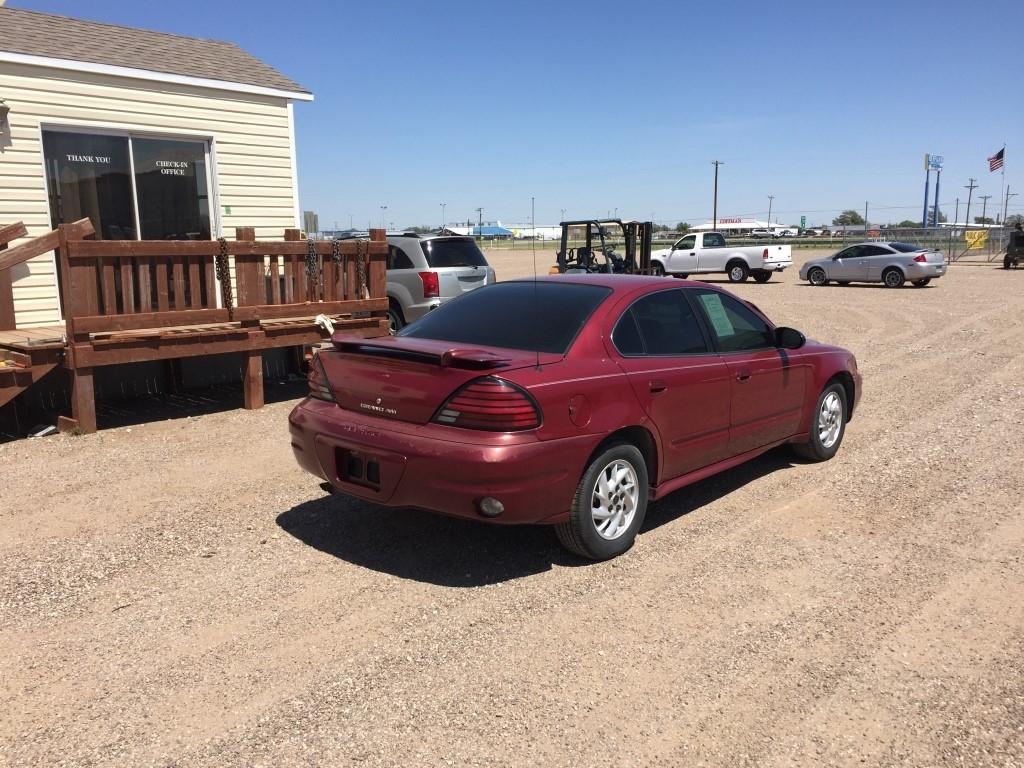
(179, 593)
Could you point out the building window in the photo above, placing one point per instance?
(91, 175)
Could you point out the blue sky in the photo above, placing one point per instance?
(595, 106)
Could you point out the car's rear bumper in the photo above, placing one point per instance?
(777, 266)
(438, 468)
(918, 271)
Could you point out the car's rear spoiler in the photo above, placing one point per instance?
(456, 357)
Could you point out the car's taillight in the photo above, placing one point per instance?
(431, 287)
(490, 403)
(765, 254)
(920, 258)
(319, 386)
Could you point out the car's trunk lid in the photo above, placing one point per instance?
(408, 379)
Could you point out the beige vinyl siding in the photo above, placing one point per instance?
(251, 154)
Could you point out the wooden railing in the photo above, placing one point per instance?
(123, 285)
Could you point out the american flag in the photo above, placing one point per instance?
(995, 162)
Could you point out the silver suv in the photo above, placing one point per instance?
(424, 271)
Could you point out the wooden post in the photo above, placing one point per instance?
(248, 273)
(7, 234)
(83, 400)
(253, 379)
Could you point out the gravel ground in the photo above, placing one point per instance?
(179, 593)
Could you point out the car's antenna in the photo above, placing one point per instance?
(533, 247)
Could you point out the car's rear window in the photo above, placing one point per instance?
(538, 317)
(905, 247)
(453, 253)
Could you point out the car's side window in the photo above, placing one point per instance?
(736, 328)
(397, 258)
(664, 323)
(714, 240)
(875, 250)
(850, 253)
(686, 243)
(626, 336)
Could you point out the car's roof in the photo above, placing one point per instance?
(428, 236)
(615, 282)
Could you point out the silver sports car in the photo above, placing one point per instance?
(888, 263)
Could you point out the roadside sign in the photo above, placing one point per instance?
(803, 222)
(935, 162)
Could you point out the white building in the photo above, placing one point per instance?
(735, 225)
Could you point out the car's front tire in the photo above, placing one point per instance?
(657, 269)
(893, 278)
(828, 425)
(609, 506)
(817, 276)
(395, 320)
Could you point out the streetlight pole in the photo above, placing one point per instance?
(865, 219)
(771, 198)
(563, 216)
(443, 205)
(714, 208)
(382, 209)
(480, 224)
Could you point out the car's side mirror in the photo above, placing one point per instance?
(789, 338)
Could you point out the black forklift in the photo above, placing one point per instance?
(1014, 248)
(605, 246)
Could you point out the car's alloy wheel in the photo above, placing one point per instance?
(395, 323)
(609, 506)
(817, 276)
(893, 278)
(828, 425)
(738, 272)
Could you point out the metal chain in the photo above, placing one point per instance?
(336, 258)
(312, 268)
(361, 269)
(223, 272)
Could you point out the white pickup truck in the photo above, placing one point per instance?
(703, 252)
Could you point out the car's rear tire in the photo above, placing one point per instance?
(893, 278)
(609, 506)
(737, 271)
(817, 276)
(681, 275)
(828, 425)
(657, 269)
(842, 282)
(395, 319)
(762, 275)
(1007, 261)
(922, 282)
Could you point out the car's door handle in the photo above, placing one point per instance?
(657, 386)
(743, 376)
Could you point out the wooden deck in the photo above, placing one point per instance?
(131, 301)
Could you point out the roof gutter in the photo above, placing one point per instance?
(146, 74)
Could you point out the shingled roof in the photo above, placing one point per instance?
(60, 37)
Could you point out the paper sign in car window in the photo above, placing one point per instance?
(716, 314)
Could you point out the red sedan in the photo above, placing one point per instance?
(570, 400)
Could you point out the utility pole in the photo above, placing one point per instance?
(865, 218)
(984, 205)
(1006, 202)
(714, 208)
(480, 224)
(970, 191)
(770, 199)
(956, 216)
(382, 209)
(443, 206)
(563, 216)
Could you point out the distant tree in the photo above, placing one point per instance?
(847, 218)
(682, 226)
(984, 220)
(420, 230)
(908, 224)
(1014, 219)
(661, 228)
